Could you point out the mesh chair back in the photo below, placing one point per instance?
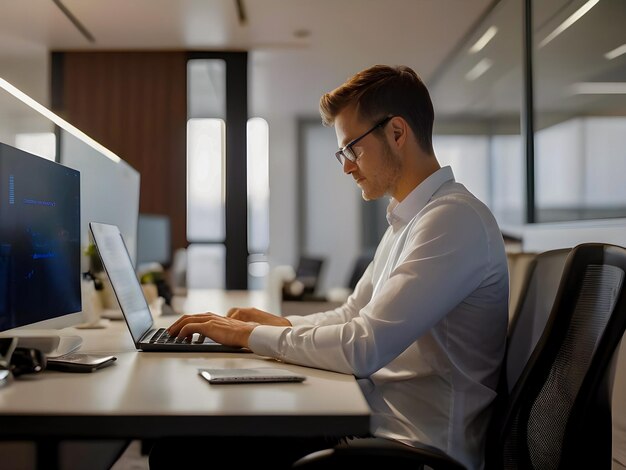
(528, 321)
(558, 393)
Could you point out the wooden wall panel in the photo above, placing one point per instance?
(135, 104)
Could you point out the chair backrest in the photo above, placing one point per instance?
(537, 291)
(519, 264)
(618, 407)
(556, 415)
(360, 266)
(308, 273)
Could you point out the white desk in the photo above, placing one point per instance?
(148, 394)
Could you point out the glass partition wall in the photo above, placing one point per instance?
(478, 98)
(566, 79)
(579, 54)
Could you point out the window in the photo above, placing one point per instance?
(258, 201)
(205, 180)
(217, 206)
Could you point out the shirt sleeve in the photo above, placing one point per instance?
(443, 260)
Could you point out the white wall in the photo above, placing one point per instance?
(333, 211)
(30, 75)
(332, 208)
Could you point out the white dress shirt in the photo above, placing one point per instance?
(424, 331)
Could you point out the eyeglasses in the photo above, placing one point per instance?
(346, 153)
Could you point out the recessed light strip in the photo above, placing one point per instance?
(479, 69)
(578, 14)
(484, 40)
(27, 100)
(618, 51)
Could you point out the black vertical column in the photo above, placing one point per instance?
(528, 122)
(236, 172)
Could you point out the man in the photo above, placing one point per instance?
(424, 331)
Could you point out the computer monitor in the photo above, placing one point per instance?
(40, 252)
(109, 190)
(153, 240)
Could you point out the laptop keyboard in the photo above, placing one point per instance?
(161, 336)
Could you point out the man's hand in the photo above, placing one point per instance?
(254, 315)
(227, 331)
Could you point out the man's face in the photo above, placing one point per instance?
(377, 169)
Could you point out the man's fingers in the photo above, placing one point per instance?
(175, 328)
(187, 331)
(232, 311)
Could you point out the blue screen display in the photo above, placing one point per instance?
(39, 239)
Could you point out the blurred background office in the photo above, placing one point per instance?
(214, 103)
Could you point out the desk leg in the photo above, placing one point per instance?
(48, 454)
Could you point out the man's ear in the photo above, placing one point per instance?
(399, 128)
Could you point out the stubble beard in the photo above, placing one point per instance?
(388, 178)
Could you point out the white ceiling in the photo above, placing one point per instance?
(287, 73)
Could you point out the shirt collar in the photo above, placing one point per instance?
(401, 213)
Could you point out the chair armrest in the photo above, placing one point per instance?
(378, 451)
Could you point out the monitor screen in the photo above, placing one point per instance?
(40, 252)
(153, 239)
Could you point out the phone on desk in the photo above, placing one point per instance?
(261, 374)
(79, 362)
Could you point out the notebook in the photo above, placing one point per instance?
(119, 268)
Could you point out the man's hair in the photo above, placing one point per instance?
(381, 91)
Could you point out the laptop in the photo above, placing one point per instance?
(119, 267)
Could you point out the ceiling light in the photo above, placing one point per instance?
(484, 40)
(480, 68)
(578, 14)
(27, 100)
(616, 52)
(599, 88)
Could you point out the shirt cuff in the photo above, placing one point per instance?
(264, 339)
(297, 320)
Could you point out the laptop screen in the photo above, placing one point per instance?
(119, 268)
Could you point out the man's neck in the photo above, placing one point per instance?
(416, 171)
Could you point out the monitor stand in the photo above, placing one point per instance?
(51, 342)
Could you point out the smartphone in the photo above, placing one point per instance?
(79, 362)
(261, 374)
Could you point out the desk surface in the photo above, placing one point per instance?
(148, 394)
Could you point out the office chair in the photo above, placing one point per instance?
(530, 311)
(304, 286)
(558, 413)
(519, 264)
